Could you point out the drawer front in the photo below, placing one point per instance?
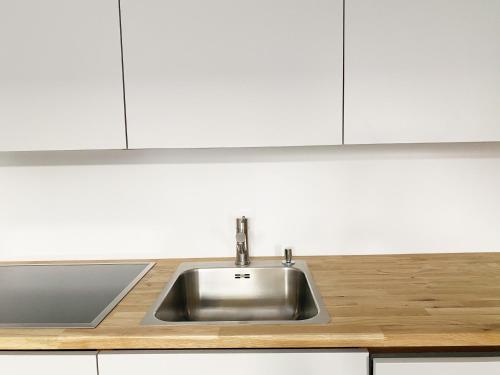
(50, 363)
(229, 362)
(437, 366)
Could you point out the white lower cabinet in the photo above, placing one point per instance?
(53, 363)
(230, 362)
(437, 366)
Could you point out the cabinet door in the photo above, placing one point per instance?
(53, 363)
(229, 362)
(437, 366)
(422, 71)
(231, 73)
(60, 75)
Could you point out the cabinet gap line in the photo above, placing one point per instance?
(123, 73)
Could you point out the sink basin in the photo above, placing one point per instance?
(221, 293)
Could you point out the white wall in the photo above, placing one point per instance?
(182, 203)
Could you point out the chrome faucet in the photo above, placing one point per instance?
(242, 256)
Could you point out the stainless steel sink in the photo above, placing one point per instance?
(222, 293)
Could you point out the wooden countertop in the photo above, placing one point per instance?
(388, 301)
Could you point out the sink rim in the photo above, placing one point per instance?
(322, 317)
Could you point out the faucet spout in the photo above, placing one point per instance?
(242, 254)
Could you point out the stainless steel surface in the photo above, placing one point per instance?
(220, 293)
(288, 261)
(242, 254)
(64, 295)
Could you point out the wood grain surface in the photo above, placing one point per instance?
(386, 301)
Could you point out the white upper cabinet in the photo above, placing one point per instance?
(60, 75)
(437, 366)
(422, 71)
(233, 73)
(49, 363)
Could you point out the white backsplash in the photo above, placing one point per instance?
(182, 203)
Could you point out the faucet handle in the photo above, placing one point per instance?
(288, 261)
(241, 224)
